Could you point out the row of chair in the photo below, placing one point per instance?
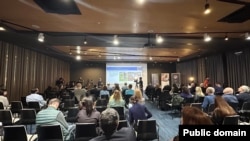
(84, 132)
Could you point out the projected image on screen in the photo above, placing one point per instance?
(121, 73)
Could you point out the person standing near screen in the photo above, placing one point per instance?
(141, 84)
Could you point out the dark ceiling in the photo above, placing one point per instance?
(66, 24)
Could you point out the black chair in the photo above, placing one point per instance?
(17, 133)
(210, 109)
(234, 106)
(101, 108)
(120, 111)
(68, 103)
(231, 120)
(6, 117)
(72, 114)
(122, 123)
(1, 106)
(105, 97)
(147, 130)
(34, 105)
(16, 107)
(101, 102)
(49, 133)
(197, 105)
(244, 112)
(23, 100)
(85, 131)
(28, 117)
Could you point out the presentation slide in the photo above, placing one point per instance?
(126, 72)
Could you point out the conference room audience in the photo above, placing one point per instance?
(35, 97)
(221, 110)
(52, 116)
(116, 100)
(3, 98)
(109, 122)
(208, 99)
(137, 112)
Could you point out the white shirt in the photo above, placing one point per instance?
(36, 97)
(4, 100)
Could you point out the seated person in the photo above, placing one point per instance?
(3, 98)
(208, 99)
(35, 97)
(88, 114)
(109, 121)
(52, 116)
(116, 100)
(138, 111)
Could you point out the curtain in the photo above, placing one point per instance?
(22, 69)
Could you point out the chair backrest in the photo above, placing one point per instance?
(72, 114)
(146, 130)
(1, 105)
(49, 132)
(23, 100)
(68, 103)
(231, 120)
(16, 107)
(101, 108)
(122, 123)
(101, 102)
(15, 133)
(105, 97)
(28, 116)
(198, 105)
(85, 131)
(6, 117)
(211, 108)
(120, 111)
(34, 105)
(245, 106)
(234, 106)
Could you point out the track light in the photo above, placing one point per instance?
(207, 8)
(40, 37)
(116, 41)
(226, 37)
(207, 38)
(247, 36)
(85, 41)
(2, 28)
(159, 38)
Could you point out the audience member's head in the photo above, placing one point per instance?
(210, 90)
(1, 92)
(117, 95)
(130, 86)
(88, 104)
(167, 88)
(54, 102)
(79, 85)
(228, 90)
(104, 87)
(109, 121)
(194, 116)
(243, 89)
(138, 94)
(198, 89)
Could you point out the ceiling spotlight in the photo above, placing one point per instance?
(159, 38)
(178, 60)
(70, 53)
(150, 58)
(207, 38)
(226, 37)
(2, 28)
(207, 8)
(85, 41)
(247, 36)
(78, 57)
(78, 51)
(40, 37)
(116, 41)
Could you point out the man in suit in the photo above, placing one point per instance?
(109, 121)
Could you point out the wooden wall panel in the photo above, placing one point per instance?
(22, 69)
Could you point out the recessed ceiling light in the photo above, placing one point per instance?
(98, 22)
(189, 44)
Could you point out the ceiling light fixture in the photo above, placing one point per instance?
(85, 41)
(159, 39)
(40, 37)
(247, 36)
(226, 37)
(207, 38)
(116, 41)
(70, 53)
(207, 8)
(78, 57)
(2, 28)
(99, 55)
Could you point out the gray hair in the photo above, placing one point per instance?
(109, 121)
(228, 90)
(210, 90)
(245, 88)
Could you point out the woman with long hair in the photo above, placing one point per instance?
(116, 100)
